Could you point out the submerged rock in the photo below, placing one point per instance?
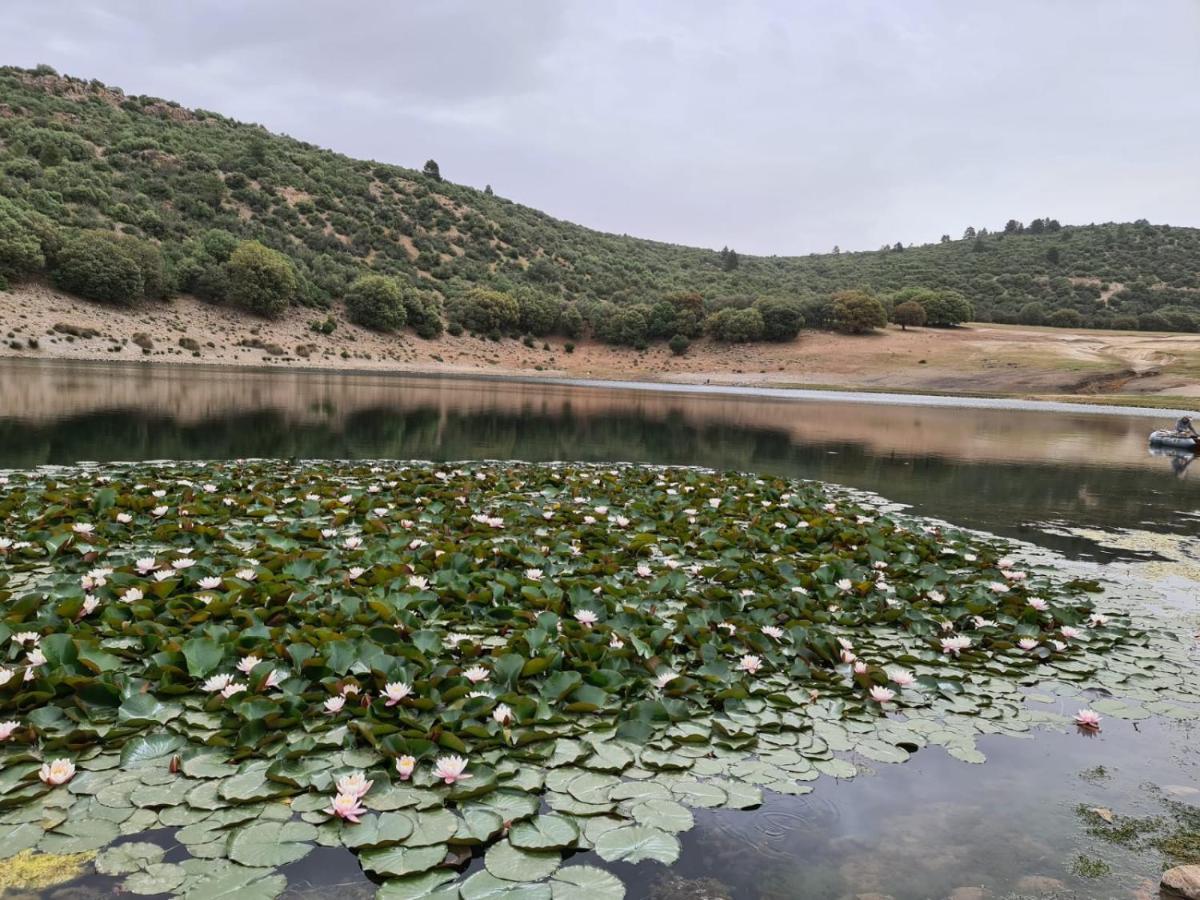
(676, 887)
(1182, 881)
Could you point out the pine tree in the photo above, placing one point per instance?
(431, 170)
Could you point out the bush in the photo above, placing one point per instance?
(424, 311)
(909, 313)
(538, 312)
(570, 322)
(1153, 322)
(97, 266)
(782, 318)
(945, 309)
(856, 312)
(21, 250)
(486, 312)
(261, 280)
(623, 325)
(1032, 314)
(735, 326)
(1065, 318)
(377, 302)
(679, 344)
(454, 329)
(569, 347)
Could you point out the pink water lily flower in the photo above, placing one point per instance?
(355, 785)
(405, 766)
(881, 694)
(773, 631)
(395, 691)
(1068, 632)
(334, 704)
(955, 645)
(60, 771)
(586, 618)
(1088, 719)
(7, 729)
(451, 769)
(346, 806)
(901, 677)
(1027, 644)
(1039, 604)
(750, 664)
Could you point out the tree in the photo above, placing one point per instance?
(423, 309)
(623, 325)
(782, 318)
(20, 248)
(679, 344)
(487, 189)
(538, 312)
(945, 309)
(97, 265)
(969, 233)
(431, 170)
(897, 247)
(570, 321)
(1052, 256)
(1065, 318)
(735, 326)
(857, 312)
(377, 302)
(1012, 226)
(909, 313)
(945, 239)
(261, 280)
(483, 311)
(1032, 314)
(729, 259)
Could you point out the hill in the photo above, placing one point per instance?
(188, 187)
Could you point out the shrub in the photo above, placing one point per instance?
(21, 249)
(945, 309)
(1153, 322)
(623, 325)
(424, 311)
(856, 312)
(679, 344)
(909, 313)
(782, 318)
(323, 326)
(486, 312)
(376, 301)
(569, 347)
(570, 322)
(454, 329)
(735, 326)
(95, 265)
(1065, 318)
(539, 312)
(261, 280)
(1032, 314)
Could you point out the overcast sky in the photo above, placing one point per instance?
(773, 127)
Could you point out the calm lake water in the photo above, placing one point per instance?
(932, 827)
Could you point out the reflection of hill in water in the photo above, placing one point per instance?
(863, 446)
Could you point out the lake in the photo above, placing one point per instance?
(1077, 484)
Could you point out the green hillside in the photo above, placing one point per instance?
(78, 155)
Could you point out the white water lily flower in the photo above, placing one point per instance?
(146, 565)
(229, 690)
(1038, 603)
(355, 572)
(502, 714)
(275, 678)
(843, 584)
(1068, 632)
(124, 518)
(159, 511)
(955, 645)
(5, 676)
(35, 657)
(533, 574)
(356, 784)
(164, 574)
(26, 637)
(247, 664)
(335, 704)
(395, 691)
(773, 631)
(60, 771)
(616, 643)
(900, 677)
(419, 582)
(664, 678)
(936, 597)
(7, 729)
(210, 582)
(90, 602)
(1098, 619)
(215, 683)
(644, 571)
(476, 674)
(451, 769)
(350, 690)
(586, 618)
(84, 528)
(1027, 644)
(351, 543)
(245, 574)
(184, 562)
(881, 694)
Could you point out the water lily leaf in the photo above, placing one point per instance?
(222, 880)
(485, 885)
(591, 787)
(418, 887)
(396, 861)
(635, 843)
(271, 843)
(126, 858)
(544, 833)
(586, 883)
(159, 878)
(664, 814)
(699, 794)
(19, 837)
(78, 835)
(203, 655)
(967, 754)
(514, 864)
(435, 826)
(377, 831)
(479, 824)
(835, 768)
(208, 765)
(148, 748)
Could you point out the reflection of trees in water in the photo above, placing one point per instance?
(987, 495)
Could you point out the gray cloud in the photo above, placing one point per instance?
(774, 127)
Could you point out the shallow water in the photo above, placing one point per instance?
(1081, 484)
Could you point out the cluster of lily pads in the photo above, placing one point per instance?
(507, 664)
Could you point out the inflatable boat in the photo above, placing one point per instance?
(1174, 439)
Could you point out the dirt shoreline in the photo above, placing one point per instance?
(978, 365)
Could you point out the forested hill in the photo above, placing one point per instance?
(78, 155)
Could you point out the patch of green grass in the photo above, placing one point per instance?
(1090, 867)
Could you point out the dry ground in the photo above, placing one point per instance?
(979, 359)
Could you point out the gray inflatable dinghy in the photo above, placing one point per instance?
(1174, 439)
